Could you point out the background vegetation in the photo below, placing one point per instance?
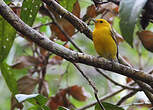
(41, 80)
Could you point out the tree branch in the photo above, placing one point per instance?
(68, 54)
(145, 90)
(76, 22)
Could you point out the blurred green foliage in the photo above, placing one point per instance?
(129, 17)
(58, 76)
(67, 4)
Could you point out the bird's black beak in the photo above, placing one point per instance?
(94, 20)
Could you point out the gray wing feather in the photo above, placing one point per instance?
(114, 38)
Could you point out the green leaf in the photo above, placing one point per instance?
(45, 107)
(35, 107)
(9, 77)
(67, 4)
(35, 99)
(108, 106)
(7, 36)
(29, 11)
(41, 100)
(63, 108)
(7, 1)
(129, 13)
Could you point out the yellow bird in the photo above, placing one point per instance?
(104, 40)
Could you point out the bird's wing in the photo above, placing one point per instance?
(113, 34)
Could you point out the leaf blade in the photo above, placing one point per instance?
(29, 11)
(129, 12)
(35, 99)
(9, 78)
(68, 4)
(7, 36)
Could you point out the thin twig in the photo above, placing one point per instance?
(116, 83)
(75, 21)
(100, 104)
(43, 73)
(91, 84)
(138, 104)
(62, 30)
(101, 99)
(139, 55)
(61, 76)
(35, 27)
(126, 97)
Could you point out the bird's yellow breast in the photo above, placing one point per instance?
(104, 43)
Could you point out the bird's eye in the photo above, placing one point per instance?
(101, 21)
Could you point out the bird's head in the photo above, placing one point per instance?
(100, 23)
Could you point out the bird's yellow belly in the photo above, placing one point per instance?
(105, 45)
